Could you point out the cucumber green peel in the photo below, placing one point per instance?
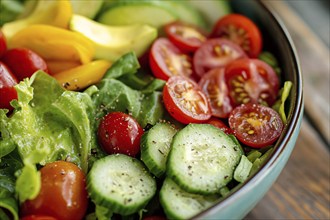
(202, 159)
(120, 183)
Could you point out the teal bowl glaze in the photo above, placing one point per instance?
(244, 197)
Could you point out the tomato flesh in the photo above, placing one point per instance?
(251, 81)
(255, 125)
(215, 88)
(240, 30)
(185, 101)
(120, 133)
(24, 62)
(215, 53)
(186, 37)
(7, 90)
(63, 193)
(167, 60)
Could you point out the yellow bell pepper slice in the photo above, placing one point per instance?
(53, 43)
(52, 12)
(56, 66)
(82, 76)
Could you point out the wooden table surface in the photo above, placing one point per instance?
(302, 190)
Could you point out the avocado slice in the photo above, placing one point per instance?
(137, 12)
(211, 10)
(111, 42)
(88, 8)
(155, 13)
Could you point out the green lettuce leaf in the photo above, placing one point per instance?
(8, 201)
(127, 64)
(48, 124)
(144, 105)
(279, 106)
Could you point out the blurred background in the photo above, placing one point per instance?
(316, 15)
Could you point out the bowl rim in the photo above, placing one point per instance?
(291, 127)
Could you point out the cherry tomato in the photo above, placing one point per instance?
(167, 60)
(120, 133)
(255, 125)
(7, 90)
(38, 217)
(185, 101)
(63, 193)
(219, 124)
(251, 81)
(24, 62)
(215, 88)
(186, 37)
(3, 44)
(215, 53)
(240, 30)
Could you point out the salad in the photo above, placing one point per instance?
(131, 109)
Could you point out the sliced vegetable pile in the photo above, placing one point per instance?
(142, 110)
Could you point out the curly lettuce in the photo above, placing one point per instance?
(48, 124)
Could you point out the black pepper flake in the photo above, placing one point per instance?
(66, 85)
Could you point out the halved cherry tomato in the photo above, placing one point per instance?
(220, 124)
(186, 37)
(24, 62)
(240, 30)
(255, 125)
(214, 86)
(3, 44)
(7, 90)
(215, 53)
(185, 101)
(63, 193)
(120, 133)
(38, 217)
(251, 81)
(167, 60)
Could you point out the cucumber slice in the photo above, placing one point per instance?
(137, 12)
(155, 146)
(202, 159)
(121, 184)
(212, 10)
(179, 204)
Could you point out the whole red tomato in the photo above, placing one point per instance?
(38, 217)
(24, 62)
(3, 44)
(63, 193)
(7, 90)
(219, 124)
(120, 133)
